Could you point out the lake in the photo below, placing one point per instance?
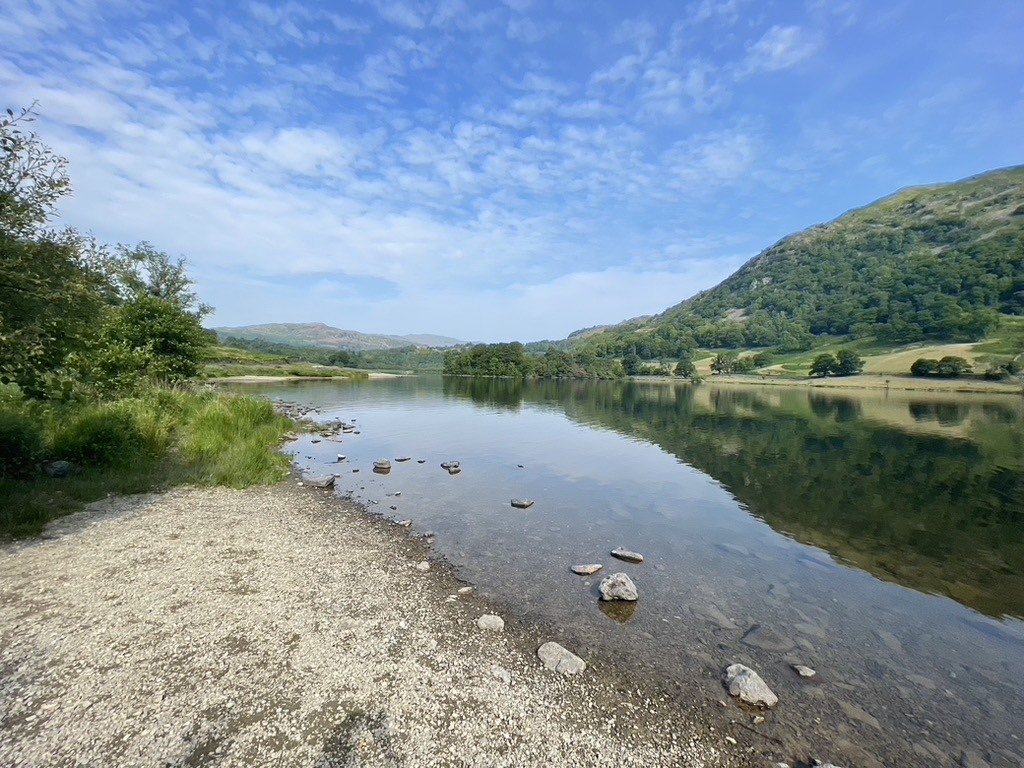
(875, 537)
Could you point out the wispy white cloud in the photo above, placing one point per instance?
(500, 160)
(779, 48)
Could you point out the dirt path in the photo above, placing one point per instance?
(278, 627)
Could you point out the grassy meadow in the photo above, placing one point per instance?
(162, 438)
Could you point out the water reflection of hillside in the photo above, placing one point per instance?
(926, 491)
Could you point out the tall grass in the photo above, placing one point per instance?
(163, 438)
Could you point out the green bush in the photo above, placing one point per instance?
(21, 444)
(103, 436)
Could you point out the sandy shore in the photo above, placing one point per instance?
(281, 627)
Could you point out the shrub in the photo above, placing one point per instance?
(101, 436)
(924, 366)
(21, 444)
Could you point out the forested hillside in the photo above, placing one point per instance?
(939, 263)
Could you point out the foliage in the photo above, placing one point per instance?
(32, 177)
(161, 438)
(512, 360)
(77, 319)
(21, 443)
(933, 263)
(686, 369)
(848, 363)
(102, 436)
(949, 367)
(844, 363)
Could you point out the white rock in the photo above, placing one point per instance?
(558, 659)
(465, 590)
(490, 621)
(424, 566)
(618, 586)
(745, 683)
(803, 671)
(586, 569)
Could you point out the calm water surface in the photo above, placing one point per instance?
(878, 538)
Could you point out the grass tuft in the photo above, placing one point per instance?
(163, 438)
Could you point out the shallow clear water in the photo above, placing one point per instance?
(878, 538)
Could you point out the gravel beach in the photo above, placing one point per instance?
(280, 626)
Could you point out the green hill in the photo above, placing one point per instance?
(327, 337)
(938, 264)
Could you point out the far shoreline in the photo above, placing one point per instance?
(866, 382)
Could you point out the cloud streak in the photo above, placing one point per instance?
(504, 170)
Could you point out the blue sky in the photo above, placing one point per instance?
(506, 170)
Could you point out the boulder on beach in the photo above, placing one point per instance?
(558, 659)
(744, 683)
(618, 586)
(319, 481)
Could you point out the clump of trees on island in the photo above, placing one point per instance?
(511, 359)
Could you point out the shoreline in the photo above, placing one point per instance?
(304, 614)
(864, 382)
(281, 379)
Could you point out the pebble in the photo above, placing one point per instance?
(465, 590)
(586, 570)
(423, 566)
(803, 671)
(558, 659)
(627, 555)
(490, 621)
(522, 503)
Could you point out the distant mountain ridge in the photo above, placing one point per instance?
(939, 262)
(327, 337)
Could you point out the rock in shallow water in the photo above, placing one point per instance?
(618, 586)
(766, 639)
(522, 503)
(586, 570)
(627, 555)
(743, 682)
(558, 659)
(803, 671)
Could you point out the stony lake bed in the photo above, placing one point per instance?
(782, 531)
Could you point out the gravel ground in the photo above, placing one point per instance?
(278, 626)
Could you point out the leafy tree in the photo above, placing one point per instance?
(824, 364)
(632, 364)
(924, 366)
(952, 366)
(848, 363)
(724, 362)
(685, 368)
(32, 177)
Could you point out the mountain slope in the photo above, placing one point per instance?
(321, 335)
(939, 262)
